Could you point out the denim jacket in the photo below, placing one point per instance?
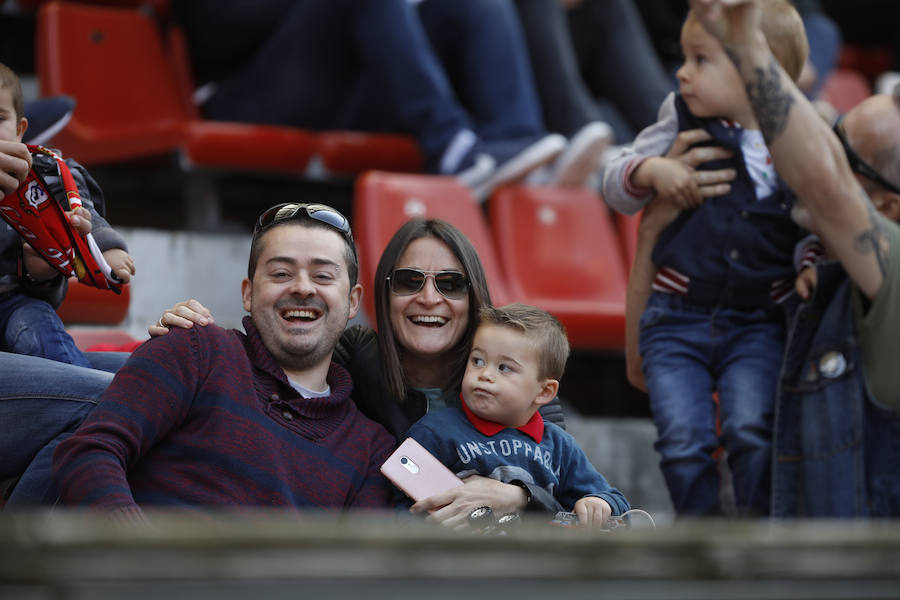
(836, 450)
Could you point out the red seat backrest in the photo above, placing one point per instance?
(113, 62)
(560, 251)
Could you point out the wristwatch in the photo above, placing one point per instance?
(529, 500)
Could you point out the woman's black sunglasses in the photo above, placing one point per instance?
(406, 282)
(318, 212)
(857, 164)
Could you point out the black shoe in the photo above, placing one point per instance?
(47, 117)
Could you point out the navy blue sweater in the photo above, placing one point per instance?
(555, 463)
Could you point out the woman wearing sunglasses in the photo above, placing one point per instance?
(429, 287)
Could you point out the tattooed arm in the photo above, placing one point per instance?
(807, 154)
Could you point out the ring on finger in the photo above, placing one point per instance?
(160, 323)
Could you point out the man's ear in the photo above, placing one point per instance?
(21, 127)
(889, 205)
(549, 387)
(356, 293)
(246, 293)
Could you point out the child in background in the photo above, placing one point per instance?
(718, 271)
(518, 356)
(30, 288)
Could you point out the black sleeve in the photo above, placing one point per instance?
(357, 351)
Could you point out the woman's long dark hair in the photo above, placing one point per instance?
(479, 296)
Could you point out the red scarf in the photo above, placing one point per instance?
(40, 220)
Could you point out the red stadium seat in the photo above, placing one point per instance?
(845, 88)
(385, 201)
(88, 305)
(134, 88)
(113, 62)
(559, 251)
(130, 93)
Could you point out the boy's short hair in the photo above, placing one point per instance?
(10, 81)
(547, 332)
(782, 26)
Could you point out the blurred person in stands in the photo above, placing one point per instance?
(369, 66)
(718, 272)
(836, 436)
(531, 68)
(616, 58)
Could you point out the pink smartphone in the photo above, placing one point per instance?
(417, 472)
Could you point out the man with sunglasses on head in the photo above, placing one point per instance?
(213, 417)
(838, 411)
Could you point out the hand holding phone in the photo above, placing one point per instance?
(417, 472)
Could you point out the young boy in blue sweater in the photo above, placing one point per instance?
(518, 356)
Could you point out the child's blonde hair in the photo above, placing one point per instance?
(10, 81)
(544, 329)
(783, 29)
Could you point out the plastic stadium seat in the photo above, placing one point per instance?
(559, 251)
(845, 88)
(88, 305)
(130, 96)
(385, 201)
(112, 61)
(103, 340)
(353, 152)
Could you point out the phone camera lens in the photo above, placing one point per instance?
(404, 460)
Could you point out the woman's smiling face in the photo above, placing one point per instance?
(427, 324)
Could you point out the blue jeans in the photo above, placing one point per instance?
(41, 403)
(342, 64)
(619, 64)
(482, 48)
(31, 326)
(689, 351)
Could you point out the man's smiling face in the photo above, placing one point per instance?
(300, 297)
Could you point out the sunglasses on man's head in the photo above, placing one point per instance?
(857, 164)
(406, 282)
(317, 212)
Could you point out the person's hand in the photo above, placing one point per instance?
(35, 265)
(806, 282)
(685, 150)
(15, 162)
(183, 315)
(675, 176)
(121, 263)
(80, 219)
(672, 181)
(735, 23)
(452, 508)
(592, 511)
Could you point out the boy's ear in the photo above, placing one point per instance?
(549, 387)
(21, 127)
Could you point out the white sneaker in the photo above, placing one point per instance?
(522, 160)
(583, 155)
